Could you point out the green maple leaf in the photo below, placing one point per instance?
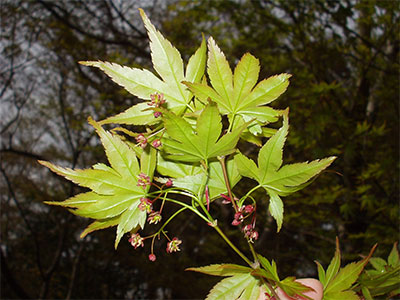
(115, 194)
(240, 284)
(235, 93)
(168, 63)
(183, 144)
(276, 179)
(337, 282)
(191, 176)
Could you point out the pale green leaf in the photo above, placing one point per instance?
(348, 295)
(263, 114)
(246, 166)
(292, 177)
(230, 288)
(221, 270)
(321, 273)
(167, 60)
(347, 275)
(270, 268)
(148, 161)
(209, 127)
(245, 77)
(181, 141)
(216, 182)
(227, 143)
(219, 72)
(378, 263)
(130, 219)
(98, 225)
(121, 157)
(108, 206)
(270, 155)
(334, 266)
(292, 287)
(76, 201)
(276, 208)
(176, 169)
(266, 91)
(393, 259)
(101, 166)
(252, 291)
(135, 115)
(100, 181)
(140, 83)
(197, 63)
(203, 92)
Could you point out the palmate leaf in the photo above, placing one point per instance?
(115, 195)
(190, 176)
(344, 278)
(183, 144)
(222, 270)
(216, 182)
(233, 287)
(234, 93)
(277, 180)
(168, 64)
(240, 285)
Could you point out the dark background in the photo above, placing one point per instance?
(343, 99)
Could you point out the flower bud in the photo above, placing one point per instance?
(152, 257)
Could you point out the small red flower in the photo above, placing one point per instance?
(157, 100)
(136, 240)
(173, 246)
(169, 182)
(156, 143)
(249, 208)
(236, 222)
(141, 140)
(152, 257)
(226, 200)
(145, 205)
(157, 114)
(238, 218)
(154, 217)
(253, 236)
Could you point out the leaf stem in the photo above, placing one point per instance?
(248, 194)
(227, 240)
(226, 178)
(188, 207)
(170, 219)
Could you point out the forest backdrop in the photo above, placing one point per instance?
(343, 99)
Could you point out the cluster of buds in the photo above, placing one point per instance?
(239, 217)
(141, 140)
(145, 205)
(143, 180)
(173, 245)
(136, 240)
(154, 217)
(250, 233)
(157, 100)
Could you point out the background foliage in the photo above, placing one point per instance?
(344, 100)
